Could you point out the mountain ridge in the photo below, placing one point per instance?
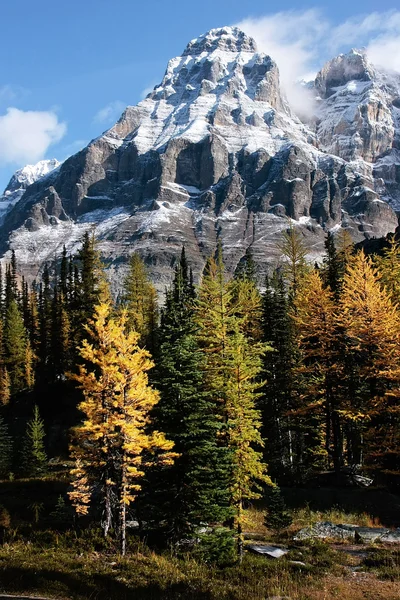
(215, 152)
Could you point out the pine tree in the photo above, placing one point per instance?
(111, 445)
(33, 454)
(277, 516)
(279, 372)
(139, 298)
(195, 487)
(332, 268)
(15, 348)
(5, 450)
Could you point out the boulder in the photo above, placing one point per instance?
(269, 551)
(392, 537)
(370, 534)
(325, 530)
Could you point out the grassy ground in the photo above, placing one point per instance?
(68, 568)
(80, 565)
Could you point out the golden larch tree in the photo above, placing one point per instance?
(113, 444)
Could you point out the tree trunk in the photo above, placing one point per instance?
(108, 512)
(122, 519)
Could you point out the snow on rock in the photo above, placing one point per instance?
(21, 180)
(215, 153)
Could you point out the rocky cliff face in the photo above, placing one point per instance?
(215, 152)
(358, 119)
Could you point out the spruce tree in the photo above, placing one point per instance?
(332, 271)
(277, 516)
(33, 453)
(195, 487)
(15, 348)
(278, 397)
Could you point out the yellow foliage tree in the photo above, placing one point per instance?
(370, 322)
(113, 444)
(314, 314)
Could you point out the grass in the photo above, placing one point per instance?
(69, 569)
(79, 565)
(384, 563)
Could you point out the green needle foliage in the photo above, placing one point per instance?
(33, 457)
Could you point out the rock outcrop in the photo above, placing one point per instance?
(216, 153)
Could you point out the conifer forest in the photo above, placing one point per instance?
(171, 430)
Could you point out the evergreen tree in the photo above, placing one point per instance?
(277, 516)
(60, 336)
(247, 268)
(44, 348)
(33, 454)
(5, 450)
(232, 370)
(332, 269)
(15, 348)
(140, 301)
(110, 446)
(279, 373)
(195, 487)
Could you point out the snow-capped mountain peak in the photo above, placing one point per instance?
(21, 180)
(220, 86)
(215, 152)
(227, 39)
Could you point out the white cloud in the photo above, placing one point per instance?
(290, 38)
(300, 42)
(25, 136)
(385, 51)
(110, 113)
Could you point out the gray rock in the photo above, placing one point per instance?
(325, 530)
(132, 524)
(370, 534)
(392, 537)
(160, 178)
(270, 551)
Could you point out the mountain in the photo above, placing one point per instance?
(215, 152)
(21, 180)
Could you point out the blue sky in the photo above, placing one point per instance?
(69, 68)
